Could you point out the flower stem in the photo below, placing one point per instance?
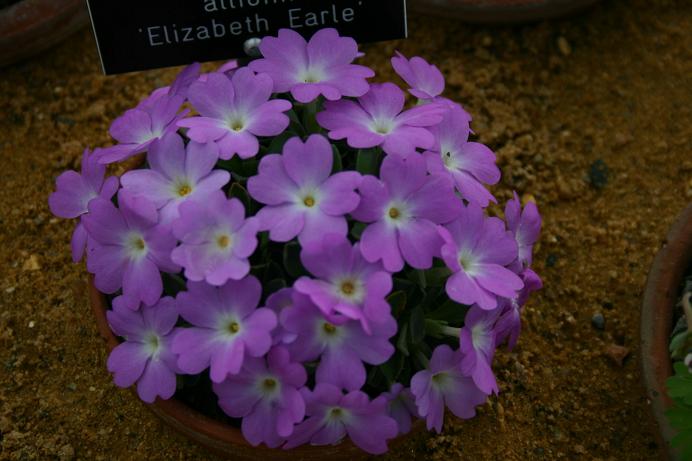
(309, 116)
(422, 359)
(450, 331)
(687, 307)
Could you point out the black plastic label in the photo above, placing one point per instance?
(147, 34)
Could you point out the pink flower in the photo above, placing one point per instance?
(477, 250)
(145, 357)
(73, 193)
(442, 384)
(426, 80)
(227, 327)
(234, 112)
(302, 198)
(378, 119)
(404, 208)
(129, 248)
(176, 174)
(346, 284)
(216, 239)
(322, 66)
(470, 164)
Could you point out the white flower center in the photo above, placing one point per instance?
(479, 336)
(236, 123)
(382, 126)
(223, 241)
(329, 333)
(449, 157)
(136, 246)
(337, 414)
(467, 262)
(311, 75)
(350, 289)
(269, 387)
(396, 213)
(440, 380)
(153, 344)
(308, 198)
(182, 188)
(228, 328)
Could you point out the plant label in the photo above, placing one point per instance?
(134, 35)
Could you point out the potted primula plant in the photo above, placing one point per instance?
(301, 257)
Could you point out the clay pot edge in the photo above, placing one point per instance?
(218, 437)
(662, 289)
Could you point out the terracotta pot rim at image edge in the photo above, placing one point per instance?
(662, 290)
(31, 26)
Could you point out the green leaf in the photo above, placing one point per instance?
(277, 144)
(417, 277)
(293, 117)
(402, 340)
(309, 116)
(417, 325)
(368, 161)
(239, 192)
(437, 276)
(234, 165)
(172, 284)
(392, 368)
(274, 286)
(433, 328)
(292, 260)
(451, 312)
(273, 271)
(358, 229)
(337, 165)
(376, 378)
(397, 301)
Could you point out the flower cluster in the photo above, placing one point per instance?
(306, 242)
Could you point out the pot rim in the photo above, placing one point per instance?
(662, 289)
(217, 436)
(30, 26)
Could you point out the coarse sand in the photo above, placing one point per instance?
(591, 116)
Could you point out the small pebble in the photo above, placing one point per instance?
(564, 46)
(617, 354)
(598, 174)
(92, 389)
(10, 290)
(32, 264)
(598, 321)
(32, 324)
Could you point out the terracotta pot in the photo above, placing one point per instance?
(222, 439)
(30, 26)
(662, 292)
(499, 11)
